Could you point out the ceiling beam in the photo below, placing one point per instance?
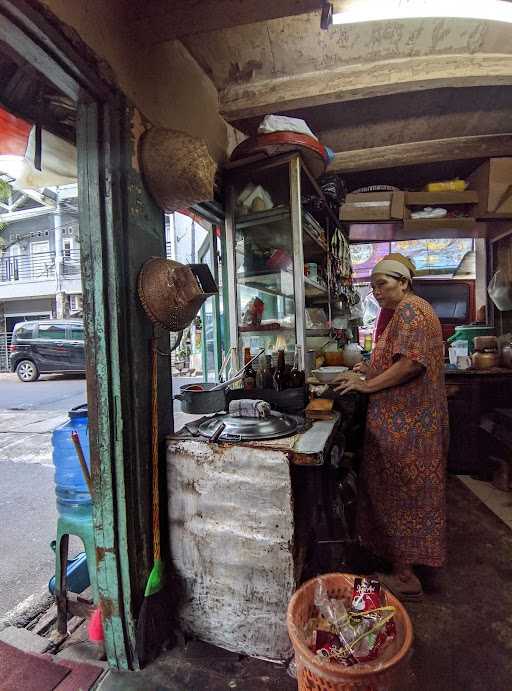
(415, 153)
(162, 20)
(357, 81)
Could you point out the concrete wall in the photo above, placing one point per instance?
(41, 305)
(39, 224)
(163, 81)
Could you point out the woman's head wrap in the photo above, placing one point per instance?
(395, 265)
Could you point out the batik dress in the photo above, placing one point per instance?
(401, 508)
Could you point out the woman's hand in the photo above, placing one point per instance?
(361, 368)
(351, 381)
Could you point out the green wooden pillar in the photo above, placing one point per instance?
(120, 227)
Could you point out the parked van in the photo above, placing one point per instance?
(47, 346)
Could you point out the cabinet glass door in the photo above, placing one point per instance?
(264, 271)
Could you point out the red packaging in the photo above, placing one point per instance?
(327, 645)
(365, 594)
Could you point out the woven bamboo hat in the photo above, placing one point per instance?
(177, 168)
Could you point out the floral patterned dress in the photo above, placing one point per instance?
(401, 509)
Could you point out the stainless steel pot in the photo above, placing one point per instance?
(201, 402)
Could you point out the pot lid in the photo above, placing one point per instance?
(249, 428)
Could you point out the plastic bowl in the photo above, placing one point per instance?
(327, 375)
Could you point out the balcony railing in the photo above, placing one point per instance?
(38, 267)
(32, 267)
(71, 264)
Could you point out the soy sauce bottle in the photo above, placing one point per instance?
(280, 373)
(268, 373)
(249, 378)
(297, 376)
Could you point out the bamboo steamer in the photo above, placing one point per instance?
(178, 169)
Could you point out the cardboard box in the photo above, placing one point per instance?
(373, 206)
(493, 182)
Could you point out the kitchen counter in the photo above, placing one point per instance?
(493, 371)
(473, 394)
(237, 544)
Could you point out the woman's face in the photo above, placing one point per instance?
(388, 291)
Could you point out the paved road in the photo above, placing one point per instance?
(50, 392)
(28, 518)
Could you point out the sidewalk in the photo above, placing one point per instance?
(25, 436)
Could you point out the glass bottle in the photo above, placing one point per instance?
(280, 373)
(268, 373)
(260, 374)
(249, 378)
(297, 377)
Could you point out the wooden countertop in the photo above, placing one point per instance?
(305, 448)
(503, 371)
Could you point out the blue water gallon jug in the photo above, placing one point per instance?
(73, 498)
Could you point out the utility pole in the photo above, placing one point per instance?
(60, 295)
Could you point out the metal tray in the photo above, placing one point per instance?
(248, 428)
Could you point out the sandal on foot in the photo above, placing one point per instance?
(401, 590)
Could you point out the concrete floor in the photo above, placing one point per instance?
(463, 627)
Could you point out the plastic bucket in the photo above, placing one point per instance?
(388, 673)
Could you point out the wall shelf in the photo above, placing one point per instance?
(440, 198)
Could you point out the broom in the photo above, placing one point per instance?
(150, 624)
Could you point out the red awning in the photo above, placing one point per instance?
(14, 133)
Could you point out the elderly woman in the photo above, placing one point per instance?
(401, 510)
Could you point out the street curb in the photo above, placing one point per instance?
(27, 610)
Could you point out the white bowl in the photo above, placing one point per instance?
(326, 375)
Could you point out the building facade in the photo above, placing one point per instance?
(39, 262)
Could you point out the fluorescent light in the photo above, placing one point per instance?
(370, 11)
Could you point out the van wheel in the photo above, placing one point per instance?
(27, 371)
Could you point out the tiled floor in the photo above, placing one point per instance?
(497, 501)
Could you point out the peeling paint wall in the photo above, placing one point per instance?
(164, 81)
(232, 544)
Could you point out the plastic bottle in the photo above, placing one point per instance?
(72, 493)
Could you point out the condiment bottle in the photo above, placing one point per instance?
(280, 373)
(249, 378)
(268, 373)
(297, 377)
(260, 375)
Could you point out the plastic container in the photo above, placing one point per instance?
(73, 498)
(389, 671)
(447, 186)
(77, 574)
(468, 333)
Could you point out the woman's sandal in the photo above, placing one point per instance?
(401, 590)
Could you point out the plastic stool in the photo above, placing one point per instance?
(82, 527)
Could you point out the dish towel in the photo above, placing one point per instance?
(248, 407)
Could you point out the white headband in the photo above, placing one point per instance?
(391, 266)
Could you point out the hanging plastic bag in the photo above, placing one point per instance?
(371, 310)
(500, 291)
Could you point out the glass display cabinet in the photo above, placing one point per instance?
(277, 240)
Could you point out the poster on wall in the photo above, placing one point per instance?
(429, 256)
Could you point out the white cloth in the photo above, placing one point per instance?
(248, 407)
(391, 266)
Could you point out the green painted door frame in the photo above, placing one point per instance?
(120, 227)
(209, 247)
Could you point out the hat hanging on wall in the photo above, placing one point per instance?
(177, 168)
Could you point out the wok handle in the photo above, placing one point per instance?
(220, 429)
(178, 397)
